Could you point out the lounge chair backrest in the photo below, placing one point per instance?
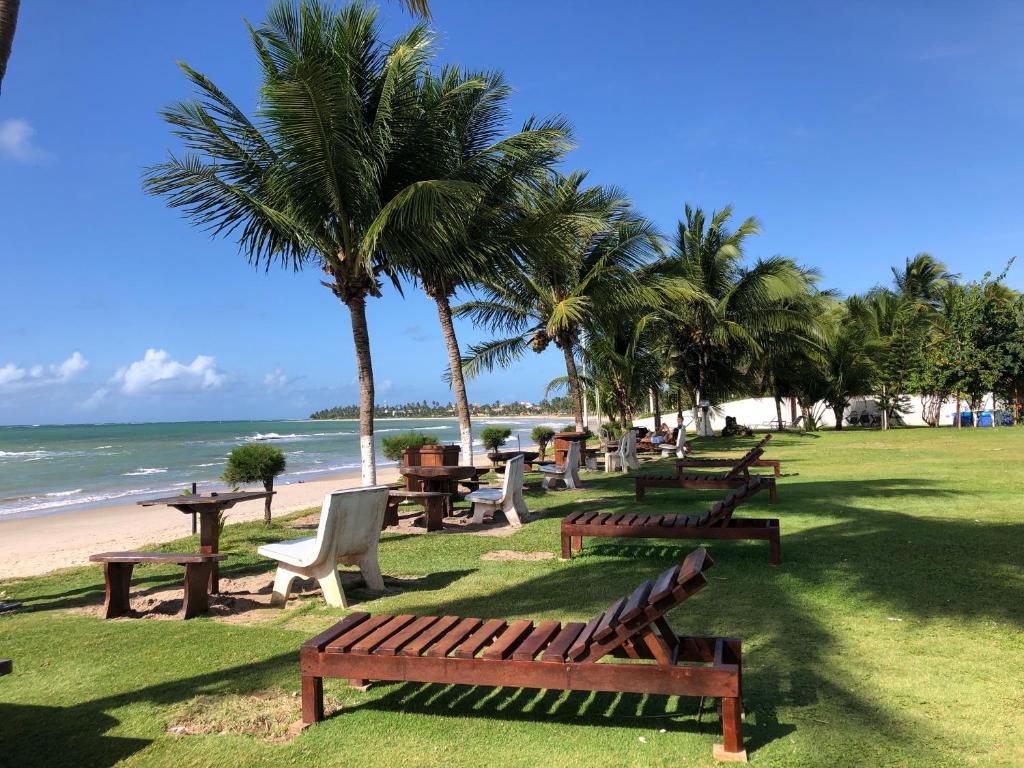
(722, 511)
(350, 521)
(631, 615)
(513, 477)
(743, 464)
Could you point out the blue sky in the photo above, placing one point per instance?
(859, 134)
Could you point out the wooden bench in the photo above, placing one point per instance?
(117, 570)
(697, 463)
(434, 504)
(542, 654)
(715, 524)
(736, 477)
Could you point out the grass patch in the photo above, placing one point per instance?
(892, 633)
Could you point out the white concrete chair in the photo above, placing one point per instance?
(613, 458)
(349, 531)
(568, 473)
(625, 458)
(678, 449)
(509, 498)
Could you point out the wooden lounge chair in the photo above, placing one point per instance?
(542, 654)
(697, 463)
(737, 476)
(568, 473)
(509, 498)
(349, 531)
(715, 524)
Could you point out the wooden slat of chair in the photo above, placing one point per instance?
(390, 646)
(344, 642)
(537, 640)
(502, 646)
(572, 518)
(636, 602)
(668, 521)
(418, 644)
(606, 626)
(587, 517)
(579, 647)
(653, 521)
(320, 641)
(663, 585)
(382, 633)
(453, 637)
(473, 644)
(618, 518)
(558, 648)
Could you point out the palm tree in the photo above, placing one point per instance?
(8, 23)
(332, 173)
(736, 311)
(587, 243)
(467, 113)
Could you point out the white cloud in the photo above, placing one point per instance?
(157, 371)
(276, 380)
(16, 142)
(13, 377)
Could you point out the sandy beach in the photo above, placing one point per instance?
(34, 545)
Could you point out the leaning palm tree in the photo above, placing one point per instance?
(333, 172)
(736, 311)
(588, 243)
(465, 114)
(8, 23)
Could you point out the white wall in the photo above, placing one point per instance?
(759, 412)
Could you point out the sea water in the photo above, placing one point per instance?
(50, 469)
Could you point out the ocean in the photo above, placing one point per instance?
(52, 469)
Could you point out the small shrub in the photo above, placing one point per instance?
(542, 436)
(255, 463)
(395, 444)
(494, 437)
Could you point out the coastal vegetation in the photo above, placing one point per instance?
(435, 409)
(255, 463)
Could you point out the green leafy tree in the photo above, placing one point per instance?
(255, 463)
(542, 435)
(333, 172)
(494, 437)
(590, 242)
(8, 23)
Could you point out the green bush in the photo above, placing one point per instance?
(255, 463)
(494, 437)
(394, 445)
(542, 435)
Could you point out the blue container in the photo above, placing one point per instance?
(985, 420)
(966, 419)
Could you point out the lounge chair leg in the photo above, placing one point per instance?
(774, 549)
(566, 547)
(282, 586)
(330, 585)
(118, 577)
(732, 733)
(577, 544)
(771, 491)
(312, 699)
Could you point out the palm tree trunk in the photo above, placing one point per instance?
(839, 410)
(778, 411)
(364, 365)
(656, 392)
(444, 314)
(574, 385)
(956, 416)
(8, 22)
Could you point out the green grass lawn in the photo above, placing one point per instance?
(892, 633)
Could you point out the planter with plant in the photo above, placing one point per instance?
(494, 437)
(395, 445)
